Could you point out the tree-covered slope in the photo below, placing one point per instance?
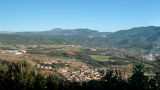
(141, 37)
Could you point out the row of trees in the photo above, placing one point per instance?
(23, 76)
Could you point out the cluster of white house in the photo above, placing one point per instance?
(151, 56)
(13, 52)
(46, 65)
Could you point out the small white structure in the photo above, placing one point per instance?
(149, 57)
(14, 52)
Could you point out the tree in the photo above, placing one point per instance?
(138, 81)
(54, 81)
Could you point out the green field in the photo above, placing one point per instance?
(100, 57)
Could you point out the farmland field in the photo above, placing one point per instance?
(100, 57)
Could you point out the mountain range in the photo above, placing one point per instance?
(67, 32)
(137, 37)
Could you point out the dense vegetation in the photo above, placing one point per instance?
(23, 76)
(139, 37)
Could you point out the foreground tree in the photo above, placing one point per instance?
(138, 81)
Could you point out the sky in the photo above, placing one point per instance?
(101, 15)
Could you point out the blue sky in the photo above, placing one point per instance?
(102, 15)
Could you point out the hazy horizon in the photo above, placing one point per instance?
(101, 15)
(72, 29)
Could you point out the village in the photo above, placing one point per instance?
(84, 73)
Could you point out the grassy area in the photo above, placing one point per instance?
(100, 57)
(61, 55)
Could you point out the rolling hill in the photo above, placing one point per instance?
(138, 37)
